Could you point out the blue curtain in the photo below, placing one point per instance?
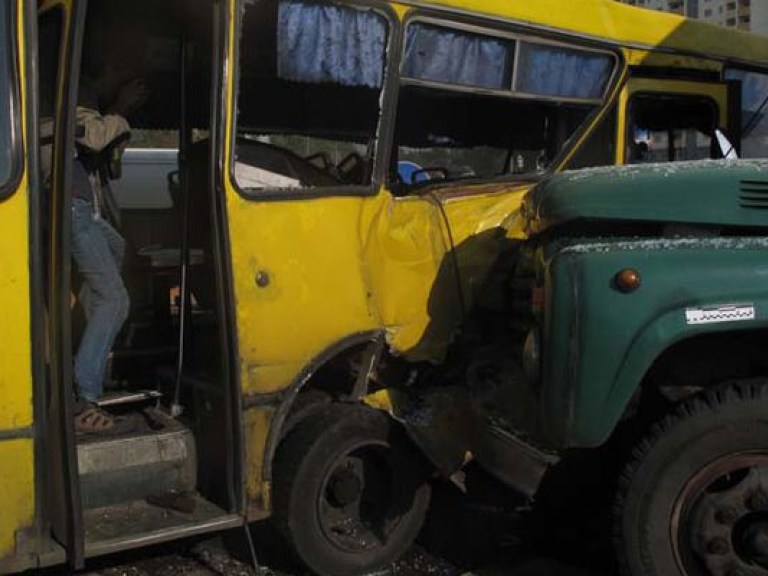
(330, 44)
(444, 55)
(556, 71)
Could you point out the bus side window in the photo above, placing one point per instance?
(311, 75)
(670, 127)
(487, 104)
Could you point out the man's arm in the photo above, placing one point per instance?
(100, 130)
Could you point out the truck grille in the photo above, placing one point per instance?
(753, 194)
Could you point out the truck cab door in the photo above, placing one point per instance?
(673, 120)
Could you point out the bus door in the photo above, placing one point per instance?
(60, 25)
(673, 120)
(17, 432)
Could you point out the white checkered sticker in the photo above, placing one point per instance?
(712, 315)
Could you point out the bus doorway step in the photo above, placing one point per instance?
(135, 462)
(138, 523)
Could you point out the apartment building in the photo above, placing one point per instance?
(750, 15)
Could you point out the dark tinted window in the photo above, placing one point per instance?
(7, 125)
(600, 147)
(670, 128)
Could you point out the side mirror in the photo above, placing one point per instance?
(727, 149)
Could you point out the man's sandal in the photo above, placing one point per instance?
(93, 419)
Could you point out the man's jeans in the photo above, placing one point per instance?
(97, 249)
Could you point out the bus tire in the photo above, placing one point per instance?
(350, 491)
(694, 499)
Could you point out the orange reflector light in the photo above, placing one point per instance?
(628, 280)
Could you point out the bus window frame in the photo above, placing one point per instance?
(11, 56)
(629, 115)
(515, 31)
(514, 37)
(382, 135)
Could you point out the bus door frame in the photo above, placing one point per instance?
(64, 502)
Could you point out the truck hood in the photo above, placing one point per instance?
(708, 192)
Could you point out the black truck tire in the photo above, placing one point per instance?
(694, 499)
(350, 491)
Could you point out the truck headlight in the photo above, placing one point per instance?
(532, 355)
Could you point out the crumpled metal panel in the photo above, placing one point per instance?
(411, 267)
(307, 274)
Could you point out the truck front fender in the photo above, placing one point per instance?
(601, 341)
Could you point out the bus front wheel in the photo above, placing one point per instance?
(350, 490)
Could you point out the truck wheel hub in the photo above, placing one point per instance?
(720, 519)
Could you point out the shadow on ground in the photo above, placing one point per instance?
(478, 528)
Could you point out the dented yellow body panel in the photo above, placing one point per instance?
(341, 266)
(17, 486)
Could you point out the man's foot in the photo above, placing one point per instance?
(93, 419)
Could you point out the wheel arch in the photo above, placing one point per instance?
(307, 379)
(661, 340)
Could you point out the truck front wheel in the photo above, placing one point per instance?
(694, 500)
(350, 490)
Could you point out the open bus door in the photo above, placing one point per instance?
(60, 29)
(109, 492)
(673, 120)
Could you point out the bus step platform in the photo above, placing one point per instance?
(136, 461)
(138, 523)
(128, 397)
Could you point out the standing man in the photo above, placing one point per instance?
(97, 248)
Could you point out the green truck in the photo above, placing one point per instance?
(639, 302)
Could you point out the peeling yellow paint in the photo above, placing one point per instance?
(256, 424)
(266, 379)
